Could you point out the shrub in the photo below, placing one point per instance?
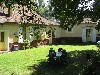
(26, 44)
(98, 44)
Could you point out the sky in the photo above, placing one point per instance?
(45, 1)
(88, 4)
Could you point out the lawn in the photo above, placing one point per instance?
(34, 61)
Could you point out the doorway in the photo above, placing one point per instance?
(4, 40)
(88, 35)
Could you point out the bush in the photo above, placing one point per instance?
(98, 44)
(26, 44)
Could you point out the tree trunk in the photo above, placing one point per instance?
(24, 26)
(9, 11)
(24, 32)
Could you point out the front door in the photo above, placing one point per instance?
(88, 35)
(4, 40)
(2, 44)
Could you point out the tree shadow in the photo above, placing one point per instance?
(85, 62)
(45, 68)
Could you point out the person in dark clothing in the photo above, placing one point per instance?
(51, 55)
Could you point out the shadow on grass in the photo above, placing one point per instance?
(86, 62)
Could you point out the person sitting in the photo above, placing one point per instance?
(60, 49)
(52, 54)
(64, 53)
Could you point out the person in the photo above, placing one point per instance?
(60, 49)
(64, 57)
(52, 54)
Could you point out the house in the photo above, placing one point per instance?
(85, 32)
(11, 29)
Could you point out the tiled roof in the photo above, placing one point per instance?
(16, 17)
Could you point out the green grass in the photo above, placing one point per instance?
(34, 61)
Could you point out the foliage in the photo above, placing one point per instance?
(38, 32)
(98, 44)
(96, 10)
(67, 12)
(37, 35)
(26, 44)
(15, 34)
(44, 10)
(96, 13)
(28, 3)
(72, 12)
(51, 31)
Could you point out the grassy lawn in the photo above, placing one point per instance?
(34, 61)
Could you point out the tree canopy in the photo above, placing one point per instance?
(96, 13)
(72, 12)
(43, 9)
(28, 3)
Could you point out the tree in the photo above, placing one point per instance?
(72, 12)
(43, 9)
(96, 13)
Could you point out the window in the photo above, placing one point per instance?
(49, 33)
(2, 36)
(69, 30)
